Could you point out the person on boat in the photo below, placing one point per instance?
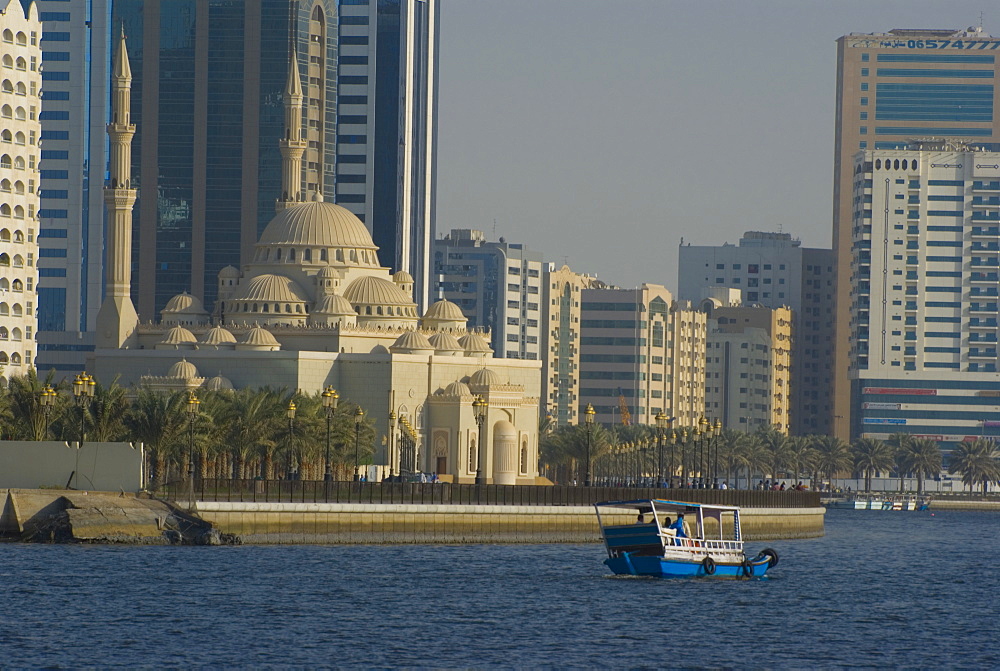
(678, 527)
(641, 519)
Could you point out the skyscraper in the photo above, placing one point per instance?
(893, 87)
(924, 298)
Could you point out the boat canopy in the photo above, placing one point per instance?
(663, 505)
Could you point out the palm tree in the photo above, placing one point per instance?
(157, 419)
(900, 442)
(978, 461)
(922, 458)
(23, 403)
(801, 455)
(833, 455)
(107, 413)
(776, 445)
(870, 457)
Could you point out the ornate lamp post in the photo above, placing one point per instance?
(392, 446)
(292, 467)
(192, 413)
(479, 408)
(83, 394)
(696, 440)
(661, 423)
(47, 399)
(673, 451)
(716, 432)
(704, 425)
(589, 419)
(330, 398)
(359, 416)
(684, 440)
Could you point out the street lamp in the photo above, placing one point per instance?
(480, 406)
(589, 419)
(47, 399)
(392, 445)
(330, 398)
(83, 394)
(192, 413)
(673, 453)
(684, 440)
(661, 423)
(704, 425)
(717, 431)
(359, 416)
(292, 469)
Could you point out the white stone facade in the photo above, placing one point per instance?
(20, 132)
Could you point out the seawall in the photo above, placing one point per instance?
(370, 523)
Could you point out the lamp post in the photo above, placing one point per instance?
(330, 398)
(292, 468)
(672, 439)
(703, 425)
(661, 423)
(47, 399)
(392, 446)
(589, 419)
(480, 406)
(359, 416)
(716, 432)
(684, 440)
(83, 394)
(192, 413)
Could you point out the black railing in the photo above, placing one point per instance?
(317, 491)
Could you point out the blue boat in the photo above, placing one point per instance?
(678, 539)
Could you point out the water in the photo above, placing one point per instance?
(881, 589)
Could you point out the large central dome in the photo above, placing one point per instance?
(317, 224)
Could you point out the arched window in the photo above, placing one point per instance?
(277, 254)
(878, 164)
(254, 308)
(17, 311)
(17, 285)
(7, 112)
(4, 309)
(524, 456)
(378, 310)
(15, 359)
(15, 334)
(22, 90)
(19, 187)
(266, 308)
(340, 255)
(322, 255)
(291, 254)
(7, 86)
(18, 212)
(389, 311)
(18, 261)
(298, 309)
(20, 63)
(20, 114)
(4, 359)
(5, 161)
(18, 163)
(4, 210)
(6, 136)
(307, 255)
(8, 36)
(354, 255)
(22, 39)
(368, 309)
(18, 236)
(4, 284)
(472, 455)
(4, 333)
(5, 186)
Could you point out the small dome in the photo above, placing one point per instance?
(327, 273)
(259, 337)
(445, 342)
(317, 224)
(411, 340)
(218, 383)
(183, 369)
(333, 305)
(445, 310)
(473, 342)
(217, 336)
(484, 377)
(371, 290)
(457, 389)
(178, 335)
(229, 272)
(271, 289)
(184, 303)
(402, 277)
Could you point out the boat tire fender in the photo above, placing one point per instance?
(709, 565)
(772, 557)
(747, 567)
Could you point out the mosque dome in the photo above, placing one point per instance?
(271, 289)
(473, 343)
(317, 224)
(411, 342)
(372, 290)
(183, 369)
(484, 377)
(327, 273)
(184, 303)
(446, 343)
(333, 305)
(178, 335)
(229, 272)
(445, 310)
(402, 277)
(218, 383)
(259, 337)
(217, 336)
(457, 389)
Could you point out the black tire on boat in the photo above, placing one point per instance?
(747, 568)
(772, 556)
(709, 565)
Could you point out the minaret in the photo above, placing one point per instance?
(117, 319)
(293, 146)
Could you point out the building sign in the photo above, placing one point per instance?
(881, 406)
(882, 420)
(897, 43)
(902, 392)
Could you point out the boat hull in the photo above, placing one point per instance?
(658, 567)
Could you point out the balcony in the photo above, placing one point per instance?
(979, 292)
(983, 338)
(991, 247)
(985, 353)
(978, 323)
(985, 201)
(984, 277)
(980, 186)
(982, 232)
(981, 308)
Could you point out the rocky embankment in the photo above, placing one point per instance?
(66, 516)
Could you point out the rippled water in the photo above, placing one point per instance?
(881, 589)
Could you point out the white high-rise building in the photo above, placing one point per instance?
(20, 129)
(925, 291)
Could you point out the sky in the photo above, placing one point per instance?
(604, 133)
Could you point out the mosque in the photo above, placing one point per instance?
(314, 308)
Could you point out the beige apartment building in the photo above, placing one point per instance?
(891, 88)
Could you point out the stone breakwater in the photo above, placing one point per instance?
(363, 523)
